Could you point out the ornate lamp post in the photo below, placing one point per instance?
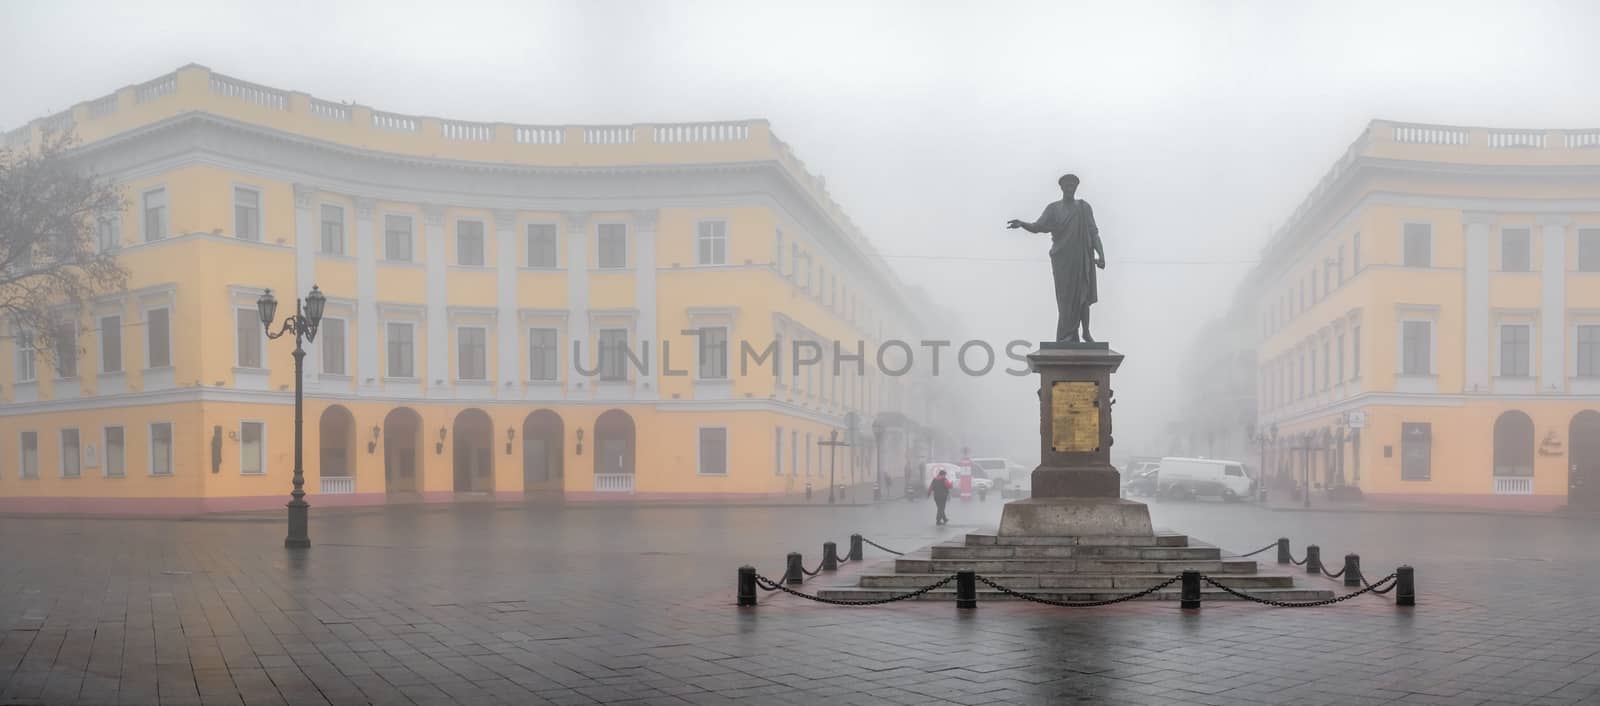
(1264, 438)
(877, 450)
(307, 316)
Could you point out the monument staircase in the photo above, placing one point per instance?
(1077, 569)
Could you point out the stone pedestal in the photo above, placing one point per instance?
(1076, 490)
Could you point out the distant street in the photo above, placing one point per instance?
(480, 604)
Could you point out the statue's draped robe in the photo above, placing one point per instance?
(1074, 240)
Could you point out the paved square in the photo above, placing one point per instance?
(536, 604)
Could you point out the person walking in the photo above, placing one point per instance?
(939, 490)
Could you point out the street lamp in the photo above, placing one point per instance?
(1263, 438)
(307, 317)
(832, 443)
(877, 451)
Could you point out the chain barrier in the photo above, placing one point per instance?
(781, 579)
(1380, 591)
(1078, 604)
(880, 546)
(1273, 545)
(813, 572)
(1298, 562)
(1390, 579)
(1331, 576)
(771, 585)
(840, 560)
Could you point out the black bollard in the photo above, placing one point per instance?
(1405, 586)
(830, 556)
(855, 547)
(1190, 597)
(747, 586)
(1352, 570)
(796, 572)
(1313, 559)
(1283, 551)
(966, 589)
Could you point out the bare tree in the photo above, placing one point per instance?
(51, 260)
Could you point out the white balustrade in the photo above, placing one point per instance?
(249, 92)
(1430, 135)
(536, 135)
(608, 135)
(101, 107)
(164, 86)
(1583, 138)
(613, 482)
(338, 485)
(330, 111)
(469, 132)
(1515, 485)
(395, 121)
(1516, 138)
(701, 132)
(58, 123)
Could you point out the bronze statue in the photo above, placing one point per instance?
(1075, 252)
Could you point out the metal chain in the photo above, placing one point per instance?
(818, 570)
(1298, 562)
(764, 582)
(1258, 551)
(880, 546)
(1078, 604)
(1331, 576)
(840, 560)
(1299, 604)
(1374, 587)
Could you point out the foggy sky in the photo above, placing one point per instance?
(1195, 126)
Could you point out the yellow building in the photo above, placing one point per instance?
(1430, 319)
(472, 272)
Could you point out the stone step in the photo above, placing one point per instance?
(953, 550)
(1131, 582)
(924, 564)
(1160, 539)
(1207, 593)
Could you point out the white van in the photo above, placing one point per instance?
(1188, 477)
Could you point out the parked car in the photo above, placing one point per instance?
(1192, 477)
(1140, 477)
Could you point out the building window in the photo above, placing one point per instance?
(713, 354)
(472, 353)
(542, 245)
(1327, 368)
(1355, 255)
(27, 362)
(246, 214)
(1416, 451)
(30, 454)
(713, 451)
(1589, 250)
(155, 215)
(109, 234)
(794, 261)
(1514, 345)
(794, 453)
(712, 242)
(1416, 340)
(1588, 351)
(248, 337)
(332, 229)
(402, 350)
(158, 338)
(251, 436)
(333, 350)
(469, 243)
(1338, 266)
(71, 454)
(1515, 250)
(777, 452)
(161, 449)
(613, 345)
(777, 250)
(397, 238)
(67, 350)
(543, 354)
(808, 454)
(1418, 245)
(1355, 352)
(613, 245)
(111, 344)
(116, 464)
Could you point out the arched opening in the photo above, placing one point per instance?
(1583, 457)
(402, 436)
(1513, 446)
(614, 451)
(542, 434)
(336, 457)
(473, 442)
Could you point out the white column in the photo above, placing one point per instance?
(368, 344)
(511, 370)
(578, 303)
(1477, 302)
(306, 241)
(1553, 306)
(438, 319)
(644, 227)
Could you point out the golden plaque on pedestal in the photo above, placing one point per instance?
(1075, 416)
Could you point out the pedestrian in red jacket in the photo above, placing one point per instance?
(939, 490)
